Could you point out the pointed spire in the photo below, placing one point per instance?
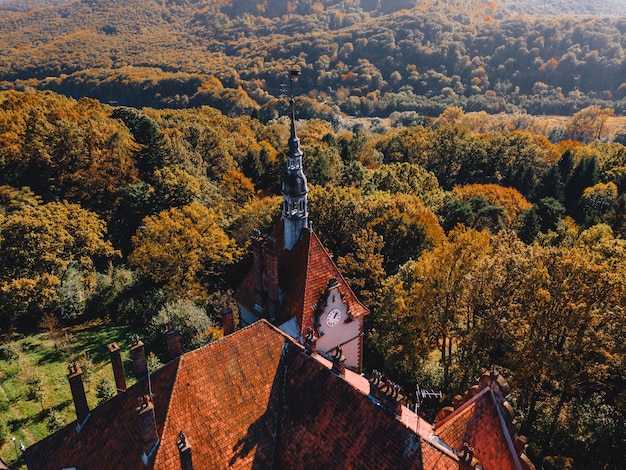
(295, 189)
(294, 142)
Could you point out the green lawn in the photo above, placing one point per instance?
(24, 418)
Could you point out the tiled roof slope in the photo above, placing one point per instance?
(111, 437)
(251, 400)
(304, 273)
(220, 401)
(307, 270)
(256, 400)
(434, 459)
(327, 423)
(484, 420)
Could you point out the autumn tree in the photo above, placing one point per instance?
(513, 203)
(440, 288)
(363, 265)
(183, 248)
(405, 224)
(38, 244)
(587, 125)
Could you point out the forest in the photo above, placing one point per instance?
(466, 161)
(362, 58)
(474, 244)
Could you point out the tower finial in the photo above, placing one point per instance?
(293, 77)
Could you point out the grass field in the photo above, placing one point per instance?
(23, 413)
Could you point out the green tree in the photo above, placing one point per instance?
(476, 213)
(409, 178)
(105, 389)
(194, 325)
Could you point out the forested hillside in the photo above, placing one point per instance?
(362, 58)
(472, 249)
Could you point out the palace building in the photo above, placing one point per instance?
(285, 391)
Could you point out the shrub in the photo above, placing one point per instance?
(54, 421)
(104, 390)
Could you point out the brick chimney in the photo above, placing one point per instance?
(339, 362)
(147, 422)
(270, 255)
(118, 368)
(75, 378)
(184, 451)
(228, 320)
(257, 264)
(138, 356)
(172, 338)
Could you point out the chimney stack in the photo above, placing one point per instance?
(138, 355)
(466, 455)
(184, 450)
(147, 422)
(339, 362)
(172, 338)
(75, 378)
(118, 368)
(228, 321)
(270, 254)
(387, 393)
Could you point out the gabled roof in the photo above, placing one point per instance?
(251, 400)
(484, 420)
(304, 273)
(256, 400)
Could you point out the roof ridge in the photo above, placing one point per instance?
(505, 430)
(166, 420)
(237, 332)
(460, 409)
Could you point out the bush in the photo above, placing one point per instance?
(4, 433)
(54, 421)
(10, 351)
(105, 389)
(192, 321)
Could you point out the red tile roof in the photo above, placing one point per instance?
(111, 437)
(251, 400)
(304, 273)
(484, 422)
(255, 399)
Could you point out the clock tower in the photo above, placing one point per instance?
(294, 282)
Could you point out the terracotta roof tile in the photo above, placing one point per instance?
(111, 436)
(477, 423)
(251, 400)
(434, 459)
(255, 400)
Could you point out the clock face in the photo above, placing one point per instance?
(333, 317)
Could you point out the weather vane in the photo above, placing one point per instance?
(293, 77)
